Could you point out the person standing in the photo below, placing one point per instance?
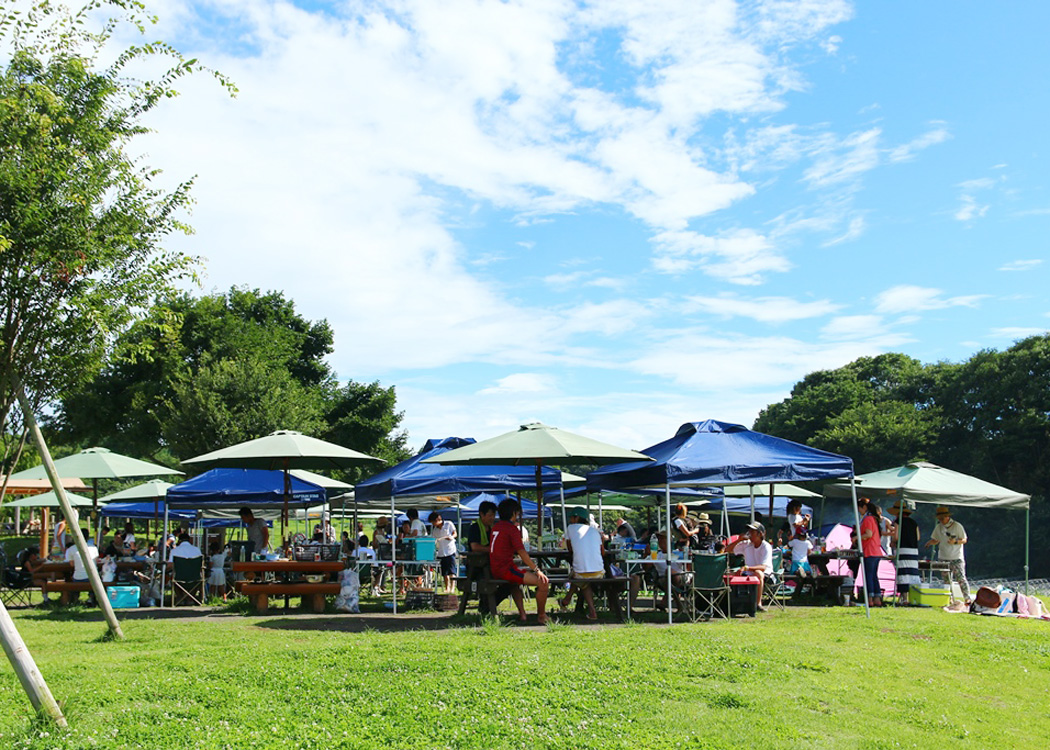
(256, 529)
(950, 536)
(871, 550)
(906, 537)
(444, 534)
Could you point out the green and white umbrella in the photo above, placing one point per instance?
(537, 444)
(99, 463)
(49, 500)
(155, 489)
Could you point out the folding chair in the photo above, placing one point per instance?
(773, 591)
(187, 580)
(710, 590)
(14, 584)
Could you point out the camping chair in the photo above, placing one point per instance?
(187, 580)
(14, 584)
(710, 590)
(773, 591)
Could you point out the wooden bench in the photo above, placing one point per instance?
(65, 588)
(313, 594)
(611, 587)
(822, 585)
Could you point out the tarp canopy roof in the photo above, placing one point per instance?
(719, 453)
(256, 488)
(923, 482)
(49, 500)
(38, 486)
(741, 506)
(143, 509)
(414, 477)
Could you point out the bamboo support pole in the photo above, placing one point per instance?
(25, 667)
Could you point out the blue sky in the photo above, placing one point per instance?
(621, 216)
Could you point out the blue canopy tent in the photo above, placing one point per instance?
(720, 453)
(413, 478)
(148, 510)
(229, 488)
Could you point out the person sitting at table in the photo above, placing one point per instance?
(30, 564)
(758, 556)
(116, 546)
(257, 531)
(416, 528)
(705, 540)
(217, 573)
(186, 548)
(585, 543)
(79, 567)
(505, 545)
(130, 543)
(625, 530)
(478, 533)
(684, 532)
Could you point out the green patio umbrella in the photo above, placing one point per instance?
(284, 450)
(155, 489)
(49, 500)
(537, 444)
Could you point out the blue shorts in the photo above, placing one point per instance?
(802, 565)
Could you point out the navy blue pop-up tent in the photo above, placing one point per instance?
(721, 453)
(231, 488)
(468, 508)
(411, 477)
(148, 511)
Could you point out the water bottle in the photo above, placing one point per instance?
(654, 546)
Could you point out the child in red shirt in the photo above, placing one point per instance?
(506, 543)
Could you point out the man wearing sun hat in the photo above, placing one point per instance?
(950, 536)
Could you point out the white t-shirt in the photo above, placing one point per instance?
(417, 528)
(73, 556)
(941, 534)
(760, 555)
(661, 564)
(129, 540)
(586, 542)
(366, 553)
(187, 549)
(799, 549)
(445, 536)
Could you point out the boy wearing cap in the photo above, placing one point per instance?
(950, 536)
(758, 556)
(585, 543)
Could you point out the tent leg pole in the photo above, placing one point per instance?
(163, 537)
(393, 554)
(856, 518)
(1027, 542)
(670, 556)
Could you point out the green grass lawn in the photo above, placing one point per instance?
(805, 677)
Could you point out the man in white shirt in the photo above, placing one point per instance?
(758, 556)
(444, 535)
(186, 548)
(79, 569)
(415, 526)
(950, 538)
(585, 543)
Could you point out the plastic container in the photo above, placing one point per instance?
(123, 597)
(929, 596)
(425, 548)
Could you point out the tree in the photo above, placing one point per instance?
(81, 221)
(365, 416)
(204, 357)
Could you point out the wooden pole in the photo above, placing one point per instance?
(25, 667)
(72, 519)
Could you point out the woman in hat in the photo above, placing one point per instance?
(683, 533)
(704, 540)
(906, 540)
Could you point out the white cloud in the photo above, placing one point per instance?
(763, 309)
(851, 327)
(970, 209)
(906, 152)
(907, 298)
(1021, 265)
(1014, 333)
(856, 228)
(739, 257)
(839, 162)
(521, 382)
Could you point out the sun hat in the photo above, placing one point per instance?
(895, 509)
(943, 510)
(703, 518)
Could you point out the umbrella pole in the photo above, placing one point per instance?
(564, 521)
(751, 489)
(539, 504)
(393, 553)
(856, 518)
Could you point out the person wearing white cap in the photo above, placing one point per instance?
(758, 556)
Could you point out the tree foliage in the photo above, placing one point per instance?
(988, 416)
(200, 373)
(81, 221)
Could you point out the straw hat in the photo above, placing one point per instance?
(703, 518)
(943, 510)
(895, 509)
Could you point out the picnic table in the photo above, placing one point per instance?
(266, 578)
(57, 577)
(824, 582)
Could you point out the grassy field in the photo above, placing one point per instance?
(806, 677)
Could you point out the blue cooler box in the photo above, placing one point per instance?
(123, 597)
